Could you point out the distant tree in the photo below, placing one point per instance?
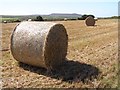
(85, 16)
(91, 16)
(80, 18)
(38, 18)
(16, 20)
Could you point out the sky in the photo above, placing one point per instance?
(101, 8)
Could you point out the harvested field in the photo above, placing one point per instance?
(92, 59)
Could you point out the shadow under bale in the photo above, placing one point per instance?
(69, 71)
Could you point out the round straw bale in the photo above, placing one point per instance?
(90, 21)
(42, 44)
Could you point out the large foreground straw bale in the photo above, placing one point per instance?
(90, 21)
(42, 44)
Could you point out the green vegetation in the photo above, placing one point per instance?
(7, 20)
(113, 17)
(51, 17)
(85, 16)
(38, 18)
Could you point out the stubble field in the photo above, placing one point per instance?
(92, 59)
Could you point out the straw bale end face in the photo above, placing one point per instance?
(89, 21)
(56, 46)
(42, 44)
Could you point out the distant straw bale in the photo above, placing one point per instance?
(65, 19)
(4, 21)
(42, 44)
(29, 20)
(89, 21)
(96, 19)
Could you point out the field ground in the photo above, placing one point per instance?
(92, 59)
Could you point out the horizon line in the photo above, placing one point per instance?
(50, 14)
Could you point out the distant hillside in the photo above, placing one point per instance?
(61, 16)
(53, 16)
(74, 15)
